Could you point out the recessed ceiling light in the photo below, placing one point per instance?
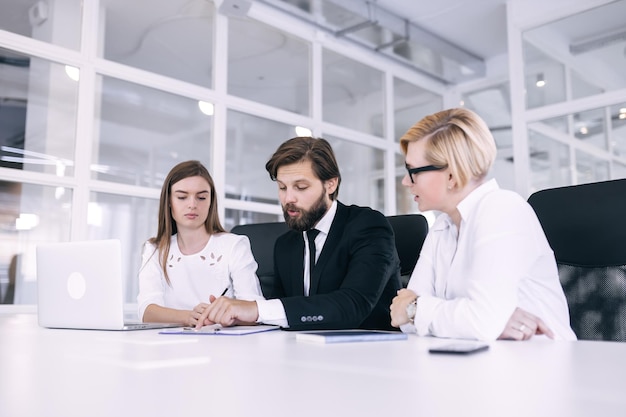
(303, 131)
(72, 72)
(206, 107)
(541, 82)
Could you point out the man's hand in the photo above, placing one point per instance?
(228, 312)
(398, 307)
(522, 326)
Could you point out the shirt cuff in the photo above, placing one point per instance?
(408, 328)
(272, 312)
(425, 313)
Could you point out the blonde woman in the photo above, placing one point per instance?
(486, 270)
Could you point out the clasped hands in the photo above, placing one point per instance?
(398, 307)
(522, 325)
(225, 311)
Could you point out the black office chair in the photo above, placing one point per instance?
(586, 227)
(262, 238)
(410, 231)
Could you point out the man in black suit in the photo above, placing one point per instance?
(356, 273)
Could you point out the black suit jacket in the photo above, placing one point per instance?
(355, 277)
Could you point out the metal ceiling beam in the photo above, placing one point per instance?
(468, 66)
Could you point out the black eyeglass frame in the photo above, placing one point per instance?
(426, 168)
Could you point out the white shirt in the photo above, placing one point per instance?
(469, 283)
(226, 262)
(273, 311)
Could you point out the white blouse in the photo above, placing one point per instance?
(225, 263)
(469, 283)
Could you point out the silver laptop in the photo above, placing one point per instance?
(80, 286)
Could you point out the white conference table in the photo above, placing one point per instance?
(53, 372)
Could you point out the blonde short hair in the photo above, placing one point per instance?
(458, 139)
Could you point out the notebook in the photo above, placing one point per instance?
(349, 336)
(80, 286)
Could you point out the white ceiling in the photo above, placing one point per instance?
(479, 27)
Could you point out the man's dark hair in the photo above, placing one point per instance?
(316, 150)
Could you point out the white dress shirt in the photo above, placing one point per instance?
(226, 262)
(469, 282)
(273, 311)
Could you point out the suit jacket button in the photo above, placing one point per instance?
(309, 318)
(320, 318)
(303, 319)
(314, 318)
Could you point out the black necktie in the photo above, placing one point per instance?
(310, 235)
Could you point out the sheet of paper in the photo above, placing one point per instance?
(217, 329)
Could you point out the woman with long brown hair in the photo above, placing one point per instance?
(192, 257)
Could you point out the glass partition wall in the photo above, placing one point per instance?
(100, 99)
(574, 77)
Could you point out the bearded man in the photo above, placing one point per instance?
(337, 268)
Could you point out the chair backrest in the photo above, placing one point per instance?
(586, 228)
(409, 230)
(262, 238)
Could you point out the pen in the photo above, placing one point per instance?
(224, 292)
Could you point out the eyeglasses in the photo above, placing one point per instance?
(412, 171)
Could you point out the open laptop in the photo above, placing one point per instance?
(80, 286)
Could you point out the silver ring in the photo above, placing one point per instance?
(522, 327)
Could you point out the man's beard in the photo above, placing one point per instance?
(307, 218)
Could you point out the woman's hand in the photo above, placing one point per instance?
(196, 314)
(398, 307)
(522, 326)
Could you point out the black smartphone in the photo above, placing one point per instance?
(459, 348)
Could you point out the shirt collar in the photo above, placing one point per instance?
(467, 205)
(323, 225)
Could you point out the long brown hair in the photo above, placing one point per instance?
(167, 225)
